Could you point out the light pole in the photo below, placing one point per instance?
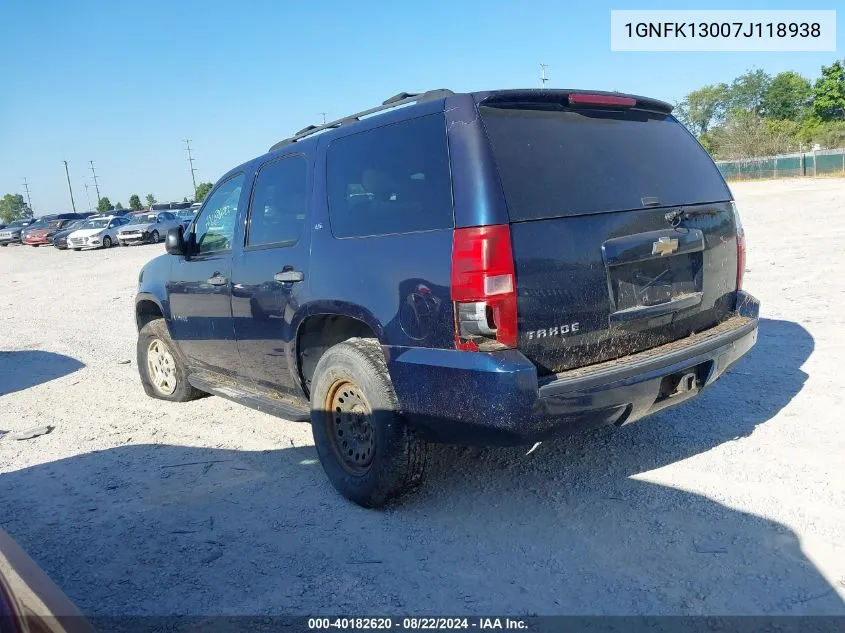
(87, 197)
(69, 188)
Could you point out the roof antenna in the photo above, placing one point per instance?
(543, 78)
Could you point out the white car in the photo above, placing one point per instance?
(96, 232)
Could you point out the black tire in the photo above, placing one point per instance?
(77, 249)
(35, 245)
(156, 330)
(396, 455)
(154, 237)
(107, 243)
(4, 245)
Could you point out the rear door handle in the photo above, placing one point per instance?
(289, 276)
(218, 280)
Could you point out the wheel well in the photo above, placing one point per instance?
(145, 312)
(320, 332)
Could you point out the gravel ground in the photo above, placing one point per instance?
(731, 504)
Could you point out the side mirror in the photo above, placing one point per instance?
(174, 242)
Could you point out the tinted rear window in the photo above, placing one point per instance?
(392, 179)
(556, 162)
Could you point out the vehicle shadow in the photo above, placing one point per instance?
(26, 368)
(572, 528)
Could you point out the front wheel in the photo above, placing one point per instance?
(106, 242)
(365, 447)
(77, 249)
(34, 245)
(162, 369)
(154, 237)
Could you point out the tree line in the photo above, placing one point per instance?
(14, 207)
(760, 115)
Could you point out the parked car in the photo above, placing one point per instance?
(44, 220)
(527, 264)
(29, 600)
(44, 234)
(11, 233)
(186, 216)
(59, 239)
(147, 228)
(96, 232)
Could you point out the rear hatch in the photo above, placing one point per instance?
(623, 231)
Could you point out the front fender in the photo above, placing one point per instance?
(152, 286)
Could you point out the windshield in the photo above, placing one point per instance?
(19, 223)
(99, 223)
(75, 224)
(187, 213)
(143, 218)
(555, 161)
(55, 224)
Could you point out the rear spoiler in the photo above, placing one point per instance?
(575, 98)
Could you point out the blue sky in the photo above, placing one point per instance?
(122, 83)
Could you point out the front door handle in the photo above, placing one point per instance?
(218, 280)
(289, 276)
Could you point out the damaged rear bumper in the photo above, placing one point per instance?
(496, 398)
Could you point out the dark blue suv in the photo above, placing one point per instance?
(498, 268)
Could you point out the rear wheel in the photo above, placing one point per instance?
(106, 242)
(161, 367)
(367, 451)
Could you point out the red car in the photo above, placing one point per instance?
(29, 601)
(43, 235)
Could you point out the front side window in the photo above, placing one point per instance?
(215, 228)
(277, 214)
(392, 179)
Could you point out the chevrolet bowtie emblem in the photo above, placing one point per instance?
(664, 246)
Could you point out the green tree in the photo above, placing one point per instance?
(829, 93)
(13, 207)
(748, 91)
(202, 191)
(703, 108)
(135, 202)
(787, 97)
(104, 205)
(118, 207)
(151, 200)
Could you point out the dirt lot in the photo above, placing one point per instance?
(733, 504)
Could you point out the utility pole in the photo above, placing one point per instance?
(543, 78)
(87, 197)
(69, 188)
(96, 186)
(191, 163)
(324, 116)
(28, 199)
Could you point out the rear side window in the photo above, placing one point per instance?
(556, 162)
(277, 215)
(393, 179)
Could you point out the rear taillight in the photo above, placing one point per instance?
(740, 247)
(484, 288)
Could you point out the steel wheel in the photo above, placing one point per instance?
(349, 426)
(161, 367)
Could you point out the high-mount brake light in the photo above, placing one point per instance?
(484, 288)
(578, 98)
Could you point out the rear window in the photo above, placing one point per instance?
(393, 179)
(556, 162)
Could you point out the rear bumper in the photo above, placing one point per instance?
(496, 398)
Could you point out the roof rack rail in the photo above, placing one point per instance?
(395, 101)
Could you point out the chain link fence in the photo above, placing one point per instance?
(818, 163)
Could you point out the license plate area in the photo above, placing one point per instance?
(655, 281)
